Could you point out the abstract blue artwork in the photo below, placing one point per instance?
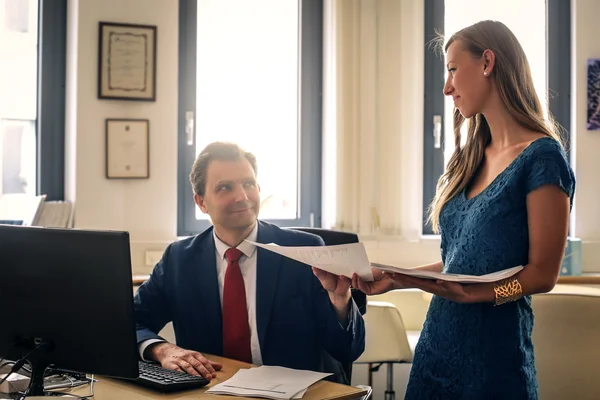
(593, 94)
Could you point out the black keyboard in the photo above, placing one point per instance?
(155, 377)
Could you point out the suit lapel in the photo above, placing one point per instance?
(208, 288)
(267, 274)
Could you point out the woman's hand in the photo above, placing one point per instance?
(453, 291)
(384, 282)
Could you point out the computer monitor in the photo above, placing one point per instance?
(66, 300)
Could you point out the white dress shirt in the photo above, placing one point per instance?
(248, 267)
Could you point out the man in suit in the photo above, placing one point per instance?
(227, 297)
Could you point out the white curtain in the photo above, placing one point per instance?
(365, 58)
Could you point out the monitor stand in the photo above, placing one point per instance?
(38, 362)
(36, 386)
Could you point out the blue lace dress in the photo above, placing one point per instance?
(479, 351)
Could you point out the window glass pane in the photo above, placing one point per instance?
(528, 25)
(18, 156)
(18, 97)
(247, 90)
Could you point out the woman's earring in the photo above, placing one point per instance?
(485, 73)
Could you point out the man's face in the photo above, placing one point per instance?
(232, 195)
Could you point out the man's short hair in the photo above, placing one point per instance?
(222, 151)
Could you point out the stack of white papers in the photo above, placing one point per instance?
(493, 277)
(268, 382)
(347, 259)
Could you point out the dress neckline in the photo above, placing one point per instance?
(509, 166)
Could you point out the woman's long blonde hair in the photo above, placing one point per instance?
(512, 76)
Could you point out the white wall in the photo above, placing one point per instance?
(147, 208)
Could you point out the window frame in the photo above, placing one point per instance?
(51, 81)
(309, 125)
(558, 42)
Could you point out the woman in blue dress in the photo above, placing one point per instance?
(504, 201)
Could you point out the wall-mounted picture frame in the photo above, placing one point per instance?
(593, 94)
(127, 61)
(127, 148)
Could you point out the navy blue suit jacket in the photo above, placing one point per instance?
(295, 318)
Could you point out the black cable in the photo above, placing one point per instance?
(12, 371)
(75, 383)
(19, 364)
(74, 396)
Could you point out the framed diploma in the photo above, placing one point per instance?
(127, 62)
(127, 149)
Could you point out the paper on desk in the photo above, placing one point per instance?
(493, 277)
(343, 259)
(269, 382)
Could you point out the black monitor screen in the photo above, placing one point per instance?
(67, 299)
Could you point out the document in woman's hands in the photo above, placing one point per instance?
(492, 277)
(347, 259)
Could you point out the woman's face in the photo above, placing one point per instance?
(468, 80)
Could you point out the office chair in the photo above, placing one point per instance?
(342, 372)
(387, 342)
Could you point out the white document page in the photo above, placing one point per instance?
(269, 382)
(343, 259)
(493, 277)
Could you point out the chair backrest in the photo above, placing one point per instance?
(342, 373)
(386, 335)
(411, 303)
(565, 338)
(332, 238)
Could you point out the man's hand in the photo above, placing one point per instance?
(172, 357)
(382, 282)
(338, 288)
(338, 285)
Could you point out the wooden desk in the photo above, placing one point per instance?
(117, 389)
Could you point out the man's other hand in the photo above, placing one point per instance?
(175, 358)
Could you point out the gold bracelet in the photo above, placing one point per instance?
(507, 290)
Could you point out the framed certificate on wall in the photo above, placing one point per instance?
(127, 61)
(127, 148)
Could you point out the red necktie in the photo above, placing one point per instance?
(236, 331)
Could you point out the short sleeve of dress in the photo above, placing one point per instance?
(549, 166)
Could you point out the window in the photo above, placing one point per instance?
(32, 44)
(543, 29)
(250, 72)
(18, 97)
